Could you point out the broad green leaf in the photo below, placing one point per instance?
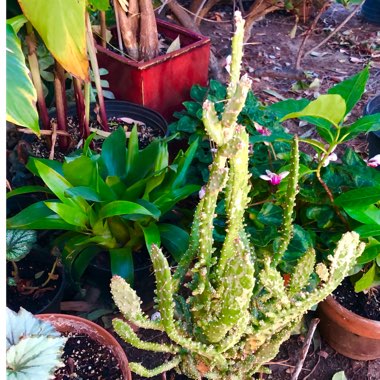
(61, 25)
(174, 239)
(39, 217)
(365, 124)
(151, 235)
(34, 357)
(114, 153)
(368, 230)
(285, 107)
(198, 93)
(369, 254)
(270, 214)
(331, 108)
(17, 22)
(122, 263)
(122, 208)
(366, 280)
(27, 190)
(366, 215)
(362, 197)
(71, 215)
(100, 5)
(21, 96)
(19, 243)
(351, 89)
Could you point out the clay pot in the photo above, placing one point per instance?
(348, 333)
(69, 323)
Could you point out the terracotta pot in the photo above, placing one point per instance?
(348, 333)
(72, 323)
(164, 82)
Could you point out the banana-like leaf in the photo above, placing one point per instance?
(61, 25)
(122, 208)
(21, 94)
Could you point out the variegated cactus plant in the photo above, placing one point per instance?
(226, 312)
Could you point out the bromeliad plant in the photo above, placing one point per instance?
(226, 311)
(114, 201)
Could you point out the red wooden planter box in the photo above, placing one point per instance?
(164, 82)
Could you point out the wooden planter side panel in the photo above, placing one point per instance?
(164, 82)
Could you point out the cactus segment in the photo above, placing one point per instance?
(145, 372)
(125, 331)
(226, 310)
(304, 269)
(291, 193)
(129, 303)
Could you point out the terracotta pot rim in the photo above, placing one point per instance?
(352, 322)
(199, 40)
(121, 355)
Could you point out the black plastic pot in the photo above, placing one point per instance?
(121, 108)
(372, 107)
(371, 11)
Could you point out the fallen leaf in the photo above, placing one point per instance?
(324, 354)
(175, 45)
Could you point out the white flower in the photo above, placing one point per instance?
(332, 157)
(374, 162)
(274, 178)
(228, 63)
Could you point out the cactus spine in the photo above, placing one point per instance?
(234, 313)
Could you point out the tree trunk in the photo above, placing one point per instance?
(129, 27)
(258, 10)
(148, 31)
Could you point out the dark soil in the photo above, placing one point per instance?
(84, 358)
(365, 304)
(33, 273)
(40, 147)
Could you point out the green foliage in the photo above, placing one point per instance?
(227, 309)
(19, 243)
(116, 200)
(34, 347)
(20, 92)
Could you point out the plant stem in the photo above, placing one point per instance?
(95, 69)
(36, 77)
(60, 102)
(103, 28)
(79, 101)
(50, 274)
(15, 271)
(87, 87)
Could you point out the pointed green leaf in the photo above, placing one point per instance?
(133, 151)
(122, 263)
(351, 89)
(285, 107)
(366, 280)
(151, 235)
(21, 96)
(122, 208)
(27, 190)
(331, 108)
(114, 153)
(362, 197)
(39, 217)
(368, 123)
(70, 215)
(61, 25)
(174, 239)
(368, 230)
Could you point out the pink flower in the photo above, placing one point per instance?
(273, 178)
(374, 162)
(262, 130)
